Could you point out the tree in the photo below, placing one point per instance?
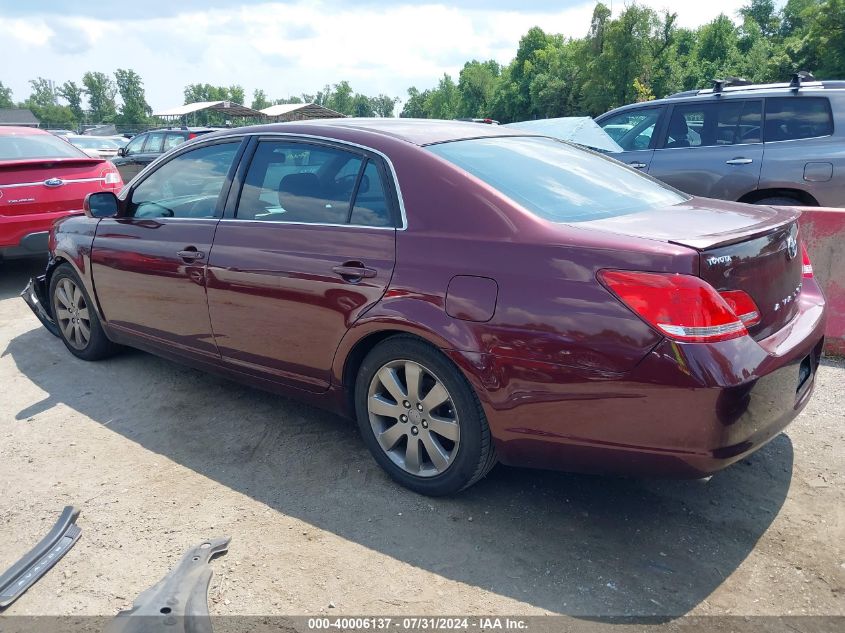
(43, 93)
(134, 108)
(235, 94)
(763, 13)
(383, 105)
(476, 84)
(443, 101)
(415, 106)
(259, 100)
(101, 92)
(340, 98)
(362, 106)
(6, 97)
(823, 48)
(72, 93)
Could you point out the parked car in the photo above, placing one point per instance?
(96, 146)
(581, 130)
(145, 148)
(763, 144)
(43, 178)
(469, 293)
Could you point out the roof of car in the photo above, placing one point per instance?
(14, 130)
(416, 131)
(815, 88)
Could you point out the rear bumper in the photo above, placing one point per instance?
(687, 410)
(27, 235)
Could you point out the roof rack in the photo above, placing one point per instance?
(719, 84)
(797, 78)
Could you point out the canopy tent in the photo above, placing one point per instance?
(299, 112)
(226, 107)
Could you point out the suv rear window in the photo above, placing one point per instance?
(789, 118)
(555, 180)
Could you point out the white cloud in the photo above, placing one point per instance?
(293, 48)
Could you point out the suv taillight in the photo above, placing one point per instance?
(191, 135)
(806, 264)
(683, 307)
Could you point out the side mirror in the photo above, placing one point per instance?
(102, 204)
(121, 151)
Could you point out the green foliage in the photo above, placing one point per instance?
(6, 97)
(638, 55)
(134, 109)
(72, 93)
(259, 100)
(101, 92)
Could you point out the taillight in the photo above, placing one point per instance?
(742, 305)
(807, 265)
(682, 307)
(191, 135)
(112, 178)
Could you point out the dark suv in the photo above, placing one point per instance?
(145, 148)
(762, 144)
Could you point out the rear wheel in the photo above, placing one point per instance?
(79, 326)
(421, 419)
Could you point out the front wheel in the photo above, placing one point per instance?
(421, 419)
(73, 312)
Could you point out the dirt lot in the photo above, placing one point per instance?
(159, 457)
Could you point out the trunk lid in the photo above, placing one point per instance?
(741, 247)
(50, 185)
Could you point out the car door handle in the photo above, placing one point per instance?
(353, 271)
(739, 161)
(190, 254)
(638, 165)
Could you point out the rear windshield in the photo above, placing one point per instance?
(555, 180)
(17, 147)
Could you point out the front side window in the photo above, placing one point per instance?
(632, 130)
(187, 186)
(789, 118)
(313, 184)
(730, 122)
(135, 145)
(557, 181)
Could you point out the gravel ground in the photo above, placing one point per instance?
(160, 457)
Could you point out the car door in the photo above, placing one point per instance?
(712, 148)
(126, 161)
(149, 263)
(635, 131)
(310, 248)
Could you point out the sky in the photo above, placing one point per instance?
(285, 48)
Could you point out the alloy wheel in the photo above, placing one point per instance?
(413, 418)
(72, 314)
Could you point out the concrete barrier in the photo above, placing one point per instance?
(823, 232)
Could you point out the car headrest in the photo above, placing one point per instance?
(306, 184)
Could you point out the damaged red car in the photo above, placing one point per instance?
(470, 294)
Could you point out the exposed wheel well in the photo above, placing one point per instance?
(802, 197)
(359, 352)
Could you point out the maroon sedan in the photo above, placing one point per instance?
(469, 293)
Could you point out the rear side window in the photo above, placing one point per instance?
(312, 184)
(789, 118)
(728, 122)
(172, 140)
(632, 130)
(153, 144)
(557, 181)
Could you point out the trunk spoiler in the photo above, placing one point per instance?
(70, 161)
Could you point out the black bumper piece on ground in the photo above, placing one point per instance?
(23, 574)
(35, 295)
(178, 603)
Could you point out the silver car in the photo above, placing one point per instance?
(762, 144)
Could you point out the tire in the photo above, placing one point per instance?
(440, 464)
(780, 201)
(69, 297)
